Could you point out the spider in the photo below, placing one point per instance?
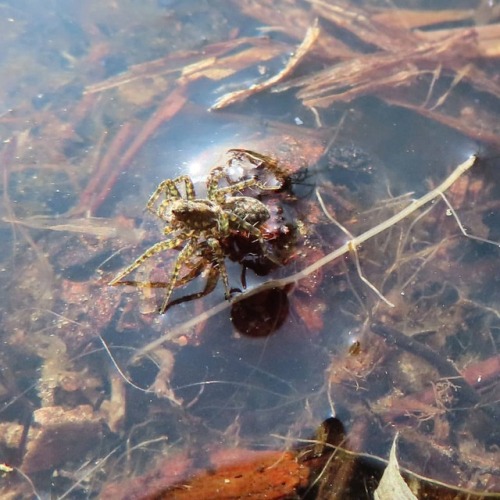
(197, 226)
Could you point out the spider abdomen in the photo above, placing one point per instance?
(248, 209)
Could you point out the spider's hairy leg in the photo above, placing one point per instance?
(188, 186)
(241, 224)
(255, 158)
(216, 174)
(195, 270)
(263, 162)
(183, 257)
(171, 191)
(223, 223)
(213, 277)
(218, 194)
(218, 255)
(240, 186)
(153, 250)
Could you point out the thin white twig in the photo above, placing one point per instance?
(462, 228)
(353, 250)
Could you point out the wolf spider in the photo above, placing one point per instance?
(198, 226)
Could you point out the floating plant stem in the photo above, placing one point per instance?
(353, 250)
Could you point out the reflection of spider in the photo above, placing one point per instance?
(199, 225)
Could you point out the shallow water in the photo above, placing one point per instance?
(101, 102)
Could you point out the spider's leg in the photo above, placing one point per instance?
(242, 224)
(210, 284)
(236, 187)
(217, 194)
(204, 252)
(254, 158)
(184, 255)
(240, 186)
(216, 174)
(263, 162)
(188, 186)
(223, 224)
(192, 274)
(171, 191)
(219, 260)
(239, 223)
(153, 250)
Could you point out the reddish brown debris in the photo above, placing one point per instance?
(234, 474)
(169, 472)
(57, 435)
(426, 403)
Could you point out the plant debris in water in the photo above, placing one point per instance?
(354, 218)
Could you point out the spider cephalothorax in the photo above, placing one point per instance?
(198, 226)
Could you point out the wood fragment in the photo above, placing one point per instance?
(233, 97)
(409, 19)
(487, 38)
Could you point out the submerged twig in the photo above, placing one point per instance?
(444, 366)
(374, 231)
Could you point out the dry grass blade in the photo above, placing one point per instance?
(406, 18)
(96, 226)
(233, 97)
(398, 63)
(371, 72)
(360, 23)
(486, 38)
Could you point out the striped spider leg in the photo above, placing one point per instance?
(169, 188)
